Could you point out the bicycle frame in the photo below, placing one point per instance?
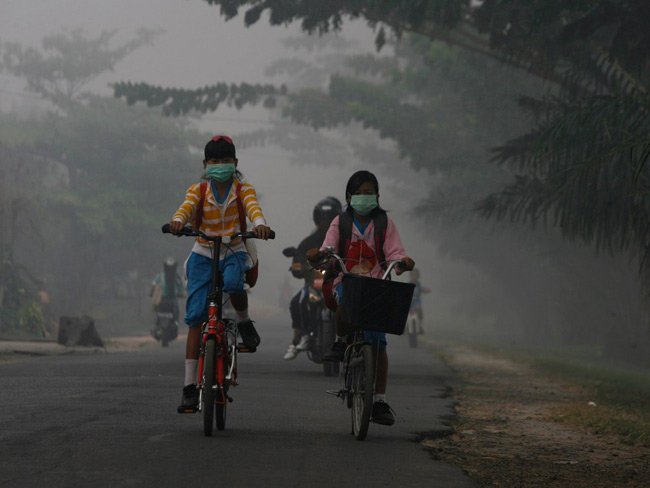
(217, 368)
(216, 328)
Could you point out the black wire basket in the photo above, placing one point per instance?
(374, 304)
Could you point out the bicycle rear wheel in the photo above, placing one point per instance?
(363, 384)
(209, 376)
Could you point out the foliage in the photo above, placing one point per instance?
(542, 35)
(318, 17)
(583, 166)
(113, 162)
(176, 101)
(67, 62)
(580, 174)
(19, 304)
(578, 148)
(88, 181)
(432, 103)
(587, 49)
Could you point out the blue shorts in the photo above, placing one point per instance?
(377, 339)
(198, 270)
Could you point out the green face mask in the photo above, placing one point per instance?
(220, 172)
(363, 204)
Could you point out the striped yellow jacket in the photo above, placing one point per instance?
(220, 219)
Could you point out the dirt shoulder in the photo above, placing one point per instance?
(17, 349)
(509, 431)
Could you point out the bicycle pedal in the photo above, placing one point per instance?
(243, 348)
(336, 393)
(187, 410)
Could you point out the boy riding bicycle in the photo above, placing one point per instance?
(214, 208)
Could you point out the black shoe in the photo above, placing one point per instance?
(190, 400)
(249, 335)
(336, 353)
(382, 414)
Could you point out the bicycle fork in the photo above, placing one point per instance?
(351, 362)
(225, 369)
(224, 375)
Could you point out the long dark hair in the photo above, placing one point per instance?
(355, 182)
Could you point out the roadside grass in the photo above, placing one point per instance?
(616, 400)
(630, 425)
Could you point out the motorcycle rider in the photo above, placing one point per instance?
(164, 296)
(301, 320)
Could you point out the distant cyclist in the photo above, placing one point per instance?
(416, 302)
(302, 322)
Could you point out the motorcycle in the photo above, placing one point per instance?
(324, 332)
(165, 327)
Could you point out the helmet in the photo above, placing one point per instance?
(169, 261)
(328, 207)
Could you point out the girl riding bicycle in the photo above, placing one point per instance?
(366, 238)
(214, 209)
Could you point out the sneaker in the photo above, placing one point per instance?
(382, 414)
(336, 353)
(303, 345)
(190, 399)
(291, 353)
(248, 334)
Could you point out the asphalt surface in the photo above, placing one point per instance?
(107, 417)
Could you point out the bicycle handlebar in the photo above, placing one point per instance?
(191, 231)
(329, 253)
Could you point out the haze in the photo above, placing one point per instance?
(197, 48)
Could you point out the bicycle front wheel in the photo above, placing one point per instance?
(221, 397)
(363, 384)
(220, 409)
(209, 376)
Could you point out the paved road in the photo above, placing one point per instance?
(108, 419)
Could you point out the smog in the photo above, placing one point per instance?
(489, 281)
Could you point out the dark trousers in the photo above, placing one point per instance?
(302, 316)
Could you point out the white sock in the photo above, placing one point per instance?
(379, 397)
(242, 315)
(191, 370)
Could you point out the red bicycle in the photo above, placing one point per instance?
(219, 345)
